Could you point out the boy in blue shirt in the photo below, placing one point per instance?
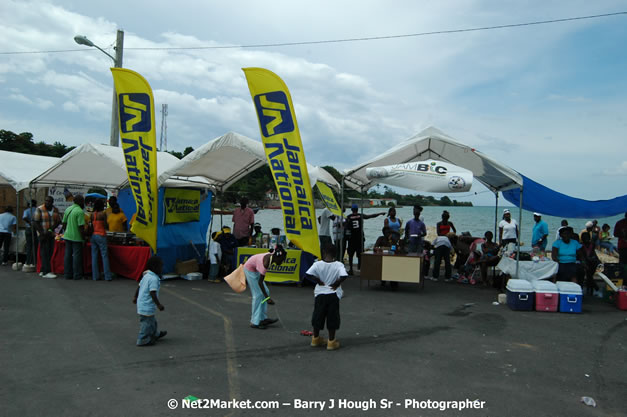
(147, 300)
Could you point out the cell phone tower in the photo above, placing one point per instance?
(163, 143)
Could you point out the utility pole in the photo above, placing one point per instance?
(164, 128)
(117, 63)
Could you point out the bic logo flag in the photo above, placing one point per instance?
(284, 151)
(137, 122)
(135, 112)
(274, 113)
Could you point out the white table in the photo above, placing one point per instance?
(528, 270)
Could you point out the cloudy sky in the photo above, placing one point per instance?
(550, 101)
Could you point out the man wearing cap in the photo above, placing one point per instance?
(589, 228)
(354, 226)
(508, 229)
(258, 235)
(540, 232)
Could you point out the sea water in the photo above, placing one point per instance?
(476, 220)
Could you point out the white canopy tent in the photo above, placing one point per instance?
(99, 165)
(432, 143)
(17, 170)
(228, 158)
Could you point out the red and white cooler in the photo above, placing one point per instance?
(621, 299)
(547, 296)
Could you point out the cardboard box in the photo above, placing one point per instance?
(185, 267)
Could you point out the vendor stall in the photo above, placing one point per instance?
(528, 270)
(291, 271)
(392, 267)
(126, 261)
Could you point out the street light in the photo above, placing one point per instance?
(117, 63)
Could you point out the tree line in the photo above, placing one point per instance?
(254, 185)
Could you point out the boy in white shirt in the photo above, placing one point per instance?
(328, 274)
(215, 254)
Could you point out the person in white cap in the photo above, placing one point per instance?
(540, 232)
(508, 229)
(563, 224)
(588, 228)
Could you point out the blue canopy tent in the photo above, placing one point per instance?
(174, 241)
(538, 198)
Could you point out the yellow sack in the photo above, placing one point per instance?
(237, 279)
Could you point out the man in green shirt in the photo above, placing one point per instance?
(74, 230)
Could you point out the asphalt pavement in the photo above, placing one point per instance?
(68, 349)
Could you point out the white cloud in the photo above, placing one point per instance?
(21, 98)
(621, 170)
(70, 106)
(43, 104)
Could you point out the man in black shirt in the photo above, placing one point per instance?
(354, 227)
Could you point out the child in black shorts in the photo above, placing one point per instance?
(328, 274)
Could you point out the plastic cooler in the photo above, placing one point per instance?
(547, 296)
(570, 297)
(621, 299)
(519, 294)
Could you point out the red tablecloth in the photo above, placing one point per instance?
(127, 261)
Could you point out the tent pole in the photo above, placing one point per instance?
(520, 208)
(17, 226)
(340, 244)
(496, 214)
(32, 230)
(361, 242)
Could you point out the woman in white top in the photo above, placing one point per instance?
(508, 229)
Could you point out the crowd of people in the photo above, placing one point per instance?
(77, 226)
(576, 253)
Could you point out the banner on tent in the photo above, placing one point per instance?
(137, 130)
(284, 151)
(328, 198)
(288, 271)
(429, 176)
(64, 196)
(181, 205)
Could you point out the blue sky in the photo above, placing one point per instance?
(548, 101)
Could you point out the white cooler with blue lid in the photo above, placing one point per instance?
(570, 297)
(520, 294)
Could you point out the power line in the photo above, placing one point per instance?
(364, 39)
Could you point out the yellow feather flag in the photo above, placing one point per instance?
(328, 198)
(284, 150)
(139, 142)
